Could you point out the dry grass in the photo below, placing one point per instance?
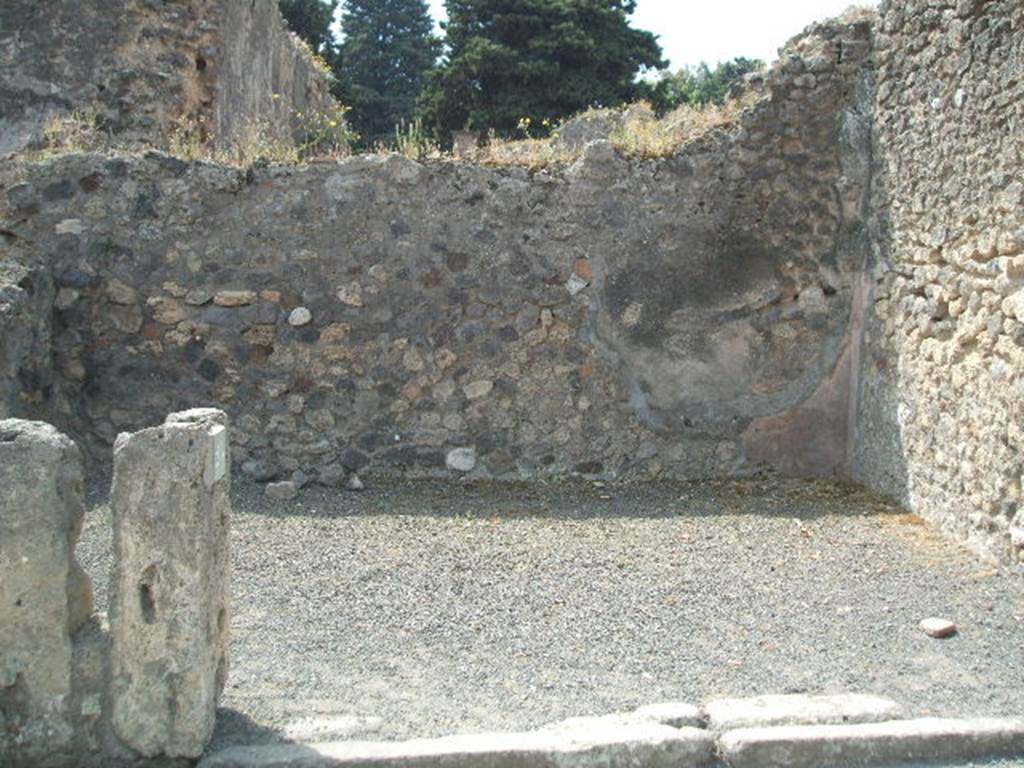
(534, 154)
(639, 135)
(79, 131)
(320, 136)
(642, 137)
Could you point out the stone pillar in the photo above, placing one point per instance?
(45, 595)
(169, 606)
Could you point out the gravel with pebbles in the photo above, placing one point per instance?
(422, 609)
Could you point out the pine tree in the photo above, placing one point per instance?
(388, 46)
(509, 60)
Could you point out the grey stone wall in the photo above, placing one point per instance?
(942, 394)
(261, 75)
(26, 305)
(142, 65)
(689, 315)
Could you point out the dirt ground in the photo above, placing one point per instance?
(422, 609)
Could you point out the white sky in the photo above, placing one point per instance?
(690, 31)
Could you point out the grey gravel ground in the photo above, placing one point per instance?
(440, 608)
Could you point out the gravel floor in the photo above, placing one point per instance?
(423, 609)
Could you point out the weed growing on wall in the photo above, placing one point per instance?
(323, 134)
(79, 131)
(412, 141)
(188, 138)
(316, 59)
(313, 135)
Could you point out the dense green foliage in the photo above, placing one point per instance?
(511, 66)
(542, 60)
(388, 47)
(697, 86)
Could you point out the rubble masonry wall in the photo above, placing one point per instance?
(941, 403)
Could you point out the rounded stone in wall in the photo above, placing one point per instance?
(300, 316)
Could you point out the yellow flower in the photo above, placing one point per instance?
(333, 123)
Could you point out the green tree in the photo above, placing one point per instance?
(539, 59)
(311, 20)
(698, 85)
(387, 49)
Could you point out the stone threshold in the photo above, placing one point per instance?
(796, 731)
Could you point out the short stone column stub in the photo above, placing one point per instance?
(170, 505)
(45, 596)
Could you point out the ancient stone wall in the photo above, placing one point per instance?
(26, 306)
(688, 315)
(942, 391)
(76, 691)
(150, 67)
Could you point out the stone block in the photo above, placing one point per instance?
(170, 599)
(45, 595)
(626, 744)
(899, 742)
(799, 709)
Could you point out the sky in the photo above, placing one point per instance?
(691, 31)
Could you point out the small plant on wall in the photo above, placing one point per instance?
(323, 133)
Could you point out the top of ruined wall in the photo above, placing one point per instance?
(144, 66)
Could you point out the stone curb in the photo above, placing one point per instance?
(894, 742)
(799, 709)
(615, 741)
(616, 745)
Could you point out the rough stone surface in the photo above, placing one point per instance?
(169, 607)
(614, 746)
(942, 390)
(932, 740)
(26, 375)
(799, 709)
(45, 596)
(143, 67)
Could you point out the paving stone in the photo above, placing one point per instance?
(890, 743)
(798, 709)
